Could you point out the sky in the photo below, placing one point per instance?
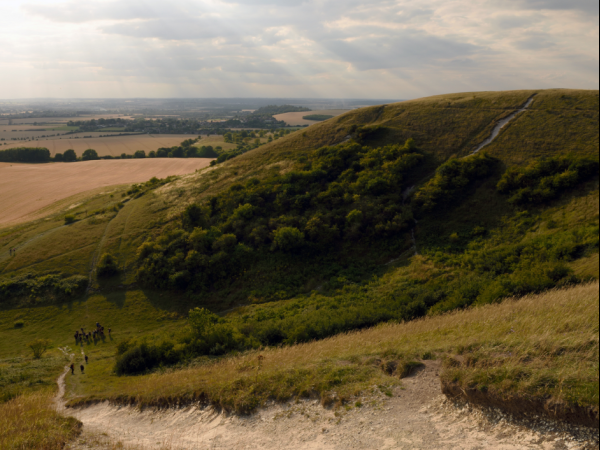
(392, 49)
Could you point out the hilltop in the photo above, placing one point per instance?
(382, 214)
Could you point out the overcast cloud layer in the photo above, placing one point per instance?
(294, 48)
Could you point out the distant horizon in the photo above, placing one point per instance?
(284, 98)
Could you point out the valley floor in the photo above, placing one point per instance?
(417, 416)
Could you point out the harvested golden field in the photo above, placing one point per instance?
(105, 146)
(27, 188)
(296, 118)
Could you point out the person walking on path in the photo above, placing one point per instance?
(81, 367)
(72, 367)
(86, 359)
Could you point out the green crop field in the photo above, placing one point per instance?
(380, 215)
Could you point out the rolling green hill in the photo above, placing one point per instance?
(381, 214)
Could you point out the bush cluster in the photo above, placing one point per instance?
(33, 288)
(339, 194)
(451, 179)
(206, 334)
(546, 178)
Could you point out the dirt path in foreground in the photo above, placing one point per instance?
(416, 417)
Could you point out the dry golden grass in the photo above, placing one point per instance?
(550, 336)
(31, 422)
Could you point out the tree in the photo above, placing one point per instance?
(39, 347)
(201, 320)
(58, 157)
(288, 239)
(152, 154)
(89, 155)
(70, 156)
(107, 266)
(139, 154)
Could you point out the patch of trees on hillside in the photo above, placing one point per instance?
(273, 110)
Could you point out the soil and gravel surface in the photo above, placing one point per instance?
(416, 417)
(27, 188)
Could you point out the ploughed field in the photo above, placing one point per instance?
(27, 188)
(106, 146)
(296, 118)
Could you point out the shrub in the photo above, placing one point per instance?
(451, 179)
(107, 266)
(39, 347)
(207, 152)
(19, 323)
(288, 239)
(546, 178)
(69, 219)
(139, 154)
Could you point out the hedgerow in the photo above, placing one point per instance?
(32, 288)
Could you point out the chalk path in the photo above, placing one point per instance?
(416, 417)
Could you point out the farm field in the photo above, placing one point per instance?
(107, 146)
(296, 118)
(7, 132)
(55, 120)
(27, 188)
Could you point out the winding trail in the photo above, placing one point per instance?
(417, 416)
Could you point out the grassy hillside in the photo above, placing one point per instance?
(542, 347)
(378, 215)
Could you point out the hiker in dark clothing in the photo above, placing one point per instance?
(72, 366)
(86, 359)
(76, 337)
(81, 367)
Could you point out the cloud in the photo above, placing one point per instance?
(93, 10)
(354, 48)
(402, 49)
(588, 6)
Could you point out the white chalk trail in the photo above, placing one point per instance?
(502, 123)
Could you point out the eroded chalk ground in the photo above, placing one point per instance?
(416, 417)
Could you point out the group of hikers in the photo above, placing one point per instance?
(81, 335)
(13, 251)
(97, 333)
